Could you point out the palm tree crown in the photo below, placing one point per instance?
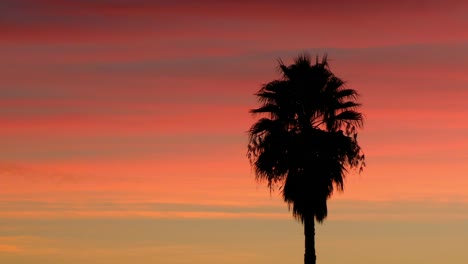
(306, 140)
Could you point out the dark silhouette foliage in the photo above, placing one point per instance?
(306, 141)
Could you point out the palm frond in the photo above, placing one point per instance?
(350, 117)
(347, 93)
(271, 109)
(346, 105)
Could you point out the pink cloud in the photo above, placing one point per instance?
(416, 23)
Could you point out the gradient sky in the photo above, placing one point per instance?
(123, 131)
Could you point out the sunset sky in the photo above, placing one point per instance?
(123, 131)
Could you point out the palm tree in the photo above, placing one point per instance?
(307, 139)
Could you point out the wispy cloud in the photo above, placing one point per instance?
(353, 210)
(26, 245)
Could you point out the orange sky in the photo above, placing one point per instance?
(123, 130)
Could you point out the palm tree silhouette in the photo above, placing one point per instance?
(307, 139)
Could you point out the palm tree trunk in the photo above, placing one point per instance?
(309, 233)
